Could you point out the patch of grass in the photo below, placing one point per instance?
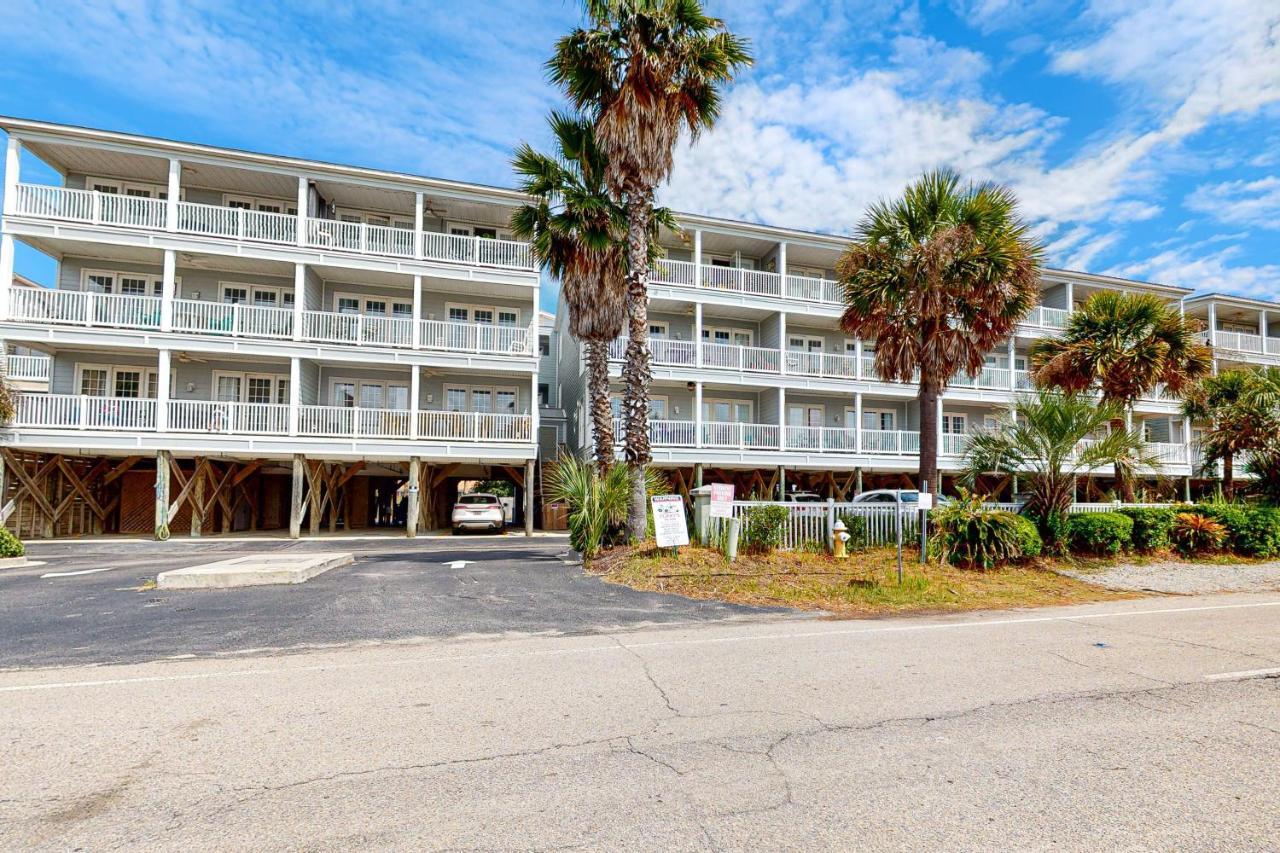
(864, 584)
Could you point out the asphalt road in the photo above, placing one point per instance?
(396, 590)
(1136, 725)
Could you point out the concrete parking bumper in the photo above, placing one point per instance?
(254, 570)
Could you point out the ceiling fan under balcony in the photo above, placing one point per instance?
(188, 358)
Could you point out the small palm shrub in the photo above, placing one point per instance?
(1100, 533)
(1253, 531)
(969, 534)
(762, 529)
(598, 503)
(1029, 541)
(10, 545)
(1151, 526)
(1197, 534)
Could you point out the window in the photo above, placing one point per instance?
(658, 330)
(259, 295)
(488, 232)
(804, 343)
(878, 419)
(369, 395)
(484, 399)
(128, 383)
(544, 345)
(124, 381)
(657, 408)
(726, 411)
(805, 416)
(235, 295)
(126, 283)
(487, 314)
(544, 393)
(953, 424)
(720, 335)
(93, 381)
(265, 205)
(260, 388)
(372, 306)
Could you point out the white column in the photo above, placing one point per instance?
(857, 352)
(697, 257)
(12, 162)
(417, 227)
(1262, 328)
(6, 272)
(782, 342)
(535, 417)
(697, 334)
(162, 390)
(1013, 379)
(299, 298)
(1213, 323)
(782, 266)
(939, 427)
(302, 212)
(417, 309)
(168, 284)
(1071, 297)
(295, 393)
(782, 418)
(415, 386)
(174, 190)
(697, 414)
(857, 420)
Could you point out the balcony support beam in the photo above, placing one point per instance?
(415, 387)
(12, 164)
(163, 367)
(857, 427)
(173, 189)
(299, 298)
(296, 503)
(782, 418)
(295, 393)
(164, 459)
(413, 501)
(697, 255)
(416, 334)
(528, 496)
(782, 345)
(1013, 377)
(303, 194)
(168, 284)
(697, 414)
(417, 231)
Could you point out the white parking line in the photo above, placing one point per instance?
(73, 574)
(1240, 676)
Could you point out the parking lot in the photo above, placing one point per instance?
(97, 608)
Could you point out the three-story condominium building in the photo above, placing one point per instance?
(755, 384)
(243, 341)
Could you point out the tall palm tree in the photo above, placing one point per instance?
(1123, 345)
(644, 70)
(1242, 408)
(938, 278)
(576, 231)
(1049, 442)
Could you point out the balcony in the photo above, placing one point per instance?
(751, 282)
(233, 223)
(1042, 317)
(241, 320)
(28, 368)
(1241, 342)
(77, 412)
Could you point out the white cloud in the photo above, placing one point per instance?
(1197, 267)
(1253, 203)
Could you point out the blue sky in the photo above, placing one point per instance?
(1141, 137)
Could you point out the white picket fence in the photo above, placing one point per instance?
(811, 522)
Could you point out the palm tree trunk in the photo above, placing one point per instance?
(636, 372)
(598, 394)
(1228, 476)
(929, 393)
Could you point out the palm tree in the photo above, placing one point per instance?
(938, 278)
(1123, 345)
(576, 232)
(1049, 442)
(644, 70)
(1242, 408)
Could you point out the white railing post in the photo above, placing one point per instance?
(782, 419)
(90, 311)
(295, 393)
(173, 189)
(417, 232)
(355, 421)
(415, 386)
(475, 425)
(167, 288)
(299, 298)
(416, 332)
(162, 390)
(239, 223)
(83, 412)
(96, 208)
(475, 249)
(364, 238)
(302, 220)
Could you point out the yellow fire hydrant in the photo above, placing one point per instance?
(841, 537)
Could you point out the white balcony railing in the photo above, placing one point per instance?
(953, 444)
(234, 223)
(28, 368)
(741, 436)
(72, 411)
(338, 328)
(233, 319)
(474, 426)
(1241, 342)
(228, 418)
(808, 289)
(827, 365)
(747, 359)
(78, 308)
(753, 282)
(890, 441)
(1169, 453)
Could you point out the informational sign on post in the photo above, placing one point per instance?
(722, 500)
(926, 500)
(669, 525)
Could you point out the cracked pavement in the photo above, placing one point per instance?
(1067, 729)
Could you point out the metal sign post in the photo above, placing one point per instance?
(926, 504)
(897, 531)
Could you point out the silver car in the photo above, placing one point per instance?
(478, 511)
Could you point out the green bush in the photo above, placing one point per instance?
(10, 545)
(598, 505)
(968, 534)
(1053, 532)
(856, 527)
(762, 528)
(1101, 533)
(1151, 526)
(1029, 542)
(1196, 534)
(1252, 531)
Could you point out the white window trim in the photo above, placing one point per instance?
(385, 384)
(278, 290)
(879, 420)
(124, 184)
(470, 228)
(288, 206)
(710, 331)
(708, 402)
(808, 339)
(964, 422)
(148, 373)
(822, 407)
(469, 389)
(666, 328)
(244, 377)
(471, 312)
(156, 280)
(666, 402)
(365, 299)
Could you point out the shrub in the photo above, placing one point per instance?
(968, 534)
(1102, 533)
(856, 527)
(10, 545)
(1029, 542)
(598, 505)
(1253, 531)
(1053, 532)
(762, 528)
(1196, 534)
(1151, 526)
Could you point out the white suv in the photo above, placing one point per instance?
(478, 511)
